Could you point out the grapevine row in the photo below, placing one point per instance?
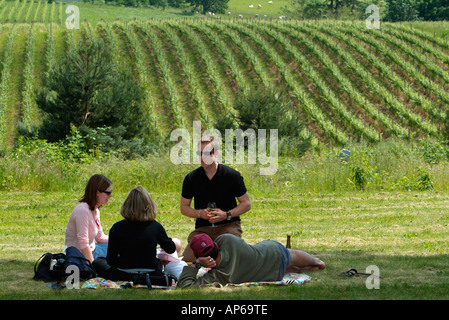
(391, 101)
(327, 94)
(211, 69)
(226, 54)
(105, 29)
(31, 11)
(166, 73)
(29, 104)
(411, 70)
(298, 93)
(4, 84)
(189, 72)
(420, 58)
(424, 35)
(247, 51)
(345, 84)
(50, 43)
(143, 74)
(251, 56)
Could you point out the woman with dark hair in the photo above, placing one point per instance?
(84, 226)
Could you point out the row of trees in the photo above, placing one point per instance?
(390, 10)
(428, 10)
(204, 6)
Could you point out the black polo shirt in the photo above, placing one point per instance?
(225, 186)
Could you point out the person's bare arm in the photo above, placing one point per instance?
(87, 253)
(190, 212)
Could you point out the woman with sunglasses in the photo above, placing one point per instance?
(84, 227)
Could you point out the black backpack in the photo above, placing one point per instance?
(52, 267)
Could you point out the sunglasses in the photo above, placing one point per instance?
(107, 192)
(206, 153)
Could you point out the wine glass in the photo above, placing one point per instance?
(211, 206)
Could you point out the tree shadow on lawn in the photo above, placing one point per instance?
(404, 277)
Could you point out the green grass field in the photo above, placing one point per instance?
(242, 7)
(404, 234)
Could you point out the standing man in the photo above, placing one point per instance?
(213, 183)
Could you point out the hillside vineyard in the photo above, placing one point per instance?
(347, 82)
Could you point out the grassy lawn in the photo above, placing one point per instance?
(404, 234)
(272, 10)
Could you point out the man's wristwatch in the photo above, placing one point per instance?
(228, 215)
(197, 265)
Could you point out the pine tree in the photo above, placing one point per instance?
(89, 91)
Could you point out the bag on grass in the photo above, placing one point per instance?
(52, 267)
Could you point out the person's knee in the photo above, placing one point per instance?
(178, 245)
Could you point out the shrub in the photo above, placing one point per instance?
(259, 109)
(87, 90)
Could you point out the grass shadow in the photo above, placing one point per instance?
(404, 277)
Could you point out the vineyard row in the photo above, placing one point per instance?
(348, 83)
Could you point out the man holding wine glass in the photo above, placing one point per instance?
(219, 195)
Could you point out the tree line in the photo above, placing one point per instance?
(390, 10)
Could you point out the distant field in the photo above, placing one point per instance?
(242, 7)
(41, 11)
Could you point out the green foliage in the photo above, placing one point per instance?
(335, 9)
(36, 164)
(433, 10)
(361, 170)
(89, 91)
(260, 109)
(433, 152)
(307, 9)
(419, 180)
(401, 10)
(215, 6)
(390, 10)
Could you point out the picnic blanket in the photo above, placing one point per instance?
(289, 279)
(100, 283)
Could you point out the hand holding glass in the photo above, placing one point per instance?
(211, 206)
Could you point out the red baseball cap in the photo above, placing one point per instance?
(202, 245)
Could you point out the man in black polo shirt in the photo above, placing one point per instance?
(213, 182)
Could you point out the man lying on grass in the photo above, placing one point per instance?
(234, 261)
